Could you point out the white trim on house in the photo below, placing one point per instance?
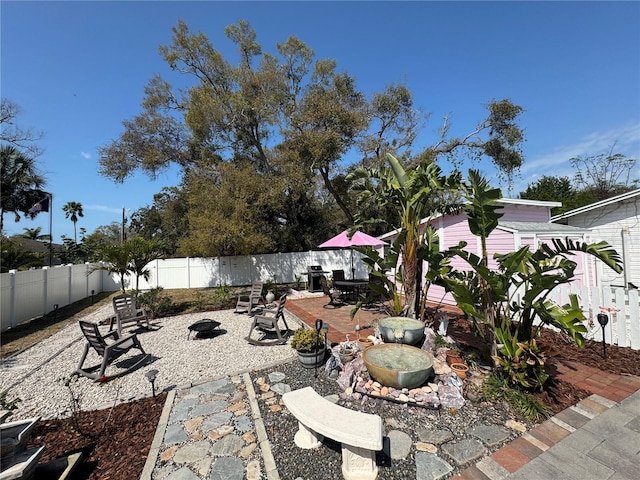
(593, 206)
(512, 201)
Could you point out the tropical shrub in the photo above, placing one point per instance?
(307, 339)
(509, 304)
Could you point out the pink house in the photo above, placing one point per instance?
(524, 222)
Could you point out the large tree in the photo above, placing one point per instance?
(24, 139)
(605, 175)
(288, 116)
(22, 183)
(597, 177)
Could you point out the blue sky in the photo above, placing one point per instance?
(78, 69)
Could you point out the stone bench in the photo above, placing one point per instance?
(359, 433)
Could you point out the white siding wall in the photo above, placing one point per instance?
(619, 225)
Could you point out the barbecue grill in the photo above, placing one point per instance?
(314, 272)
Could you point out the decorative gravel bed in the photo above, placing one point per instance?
(419, 423)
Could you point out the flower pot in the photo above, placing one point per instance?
(365, 342)
(346, 356)
(453, 357)
(270, 297)
(312, 359)
(460, 369)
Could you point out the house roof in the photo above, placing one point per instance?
(512, 201)
(536, 203)
(600, 204)
(541, 228)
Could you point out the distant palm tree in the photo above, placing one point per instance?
(21, 183)
(34, 234)
(73, 210)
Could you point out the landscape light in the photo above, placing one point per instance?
(603, 319)
(151, 376)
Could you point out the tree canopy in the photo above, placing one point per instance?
(265, 143)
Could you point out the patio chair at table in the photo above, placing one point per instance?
(108, 351)
(267, 322)
(335, 296)
(337, 275)
(248, 301)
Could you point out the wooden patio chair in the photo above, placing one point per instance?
(335, 296)
(109, 351)
(267, 322)
(126, 312)
(247, 302)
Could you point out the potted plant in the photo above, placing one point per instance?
(310, 346)
(453, 356)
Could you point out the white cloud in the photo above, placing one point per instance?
(86, 155)
(624, 140)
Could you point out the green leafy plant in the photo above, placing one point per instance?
(269, 285)
(222, 295)
(6, 404)
(509, 302)
(306, 340)
(498, 388)
(155, 303)
(522, 362)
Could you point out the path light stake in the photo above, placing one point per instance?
(318, 328)
(151, 376)
(55, 312)
(603, 319)
(92, 292)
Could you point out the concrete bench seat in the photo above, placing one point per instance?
(359, 433)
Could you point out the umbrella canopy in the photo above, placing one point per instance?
(359, 239)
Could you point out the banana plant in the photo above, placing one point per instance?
(510, 303)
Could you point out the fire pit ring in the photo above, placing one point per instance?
(204, 327)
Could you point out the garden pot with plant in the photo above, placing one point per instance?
(310, 346)
(453, 355)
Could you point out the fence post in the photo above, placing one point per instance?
(188, 272)
(12, 299)
(69, 278)
(45, 289)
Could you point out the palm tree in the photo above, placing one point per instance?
(21, 184)
(411, 195)
(73, 210)
(131, 257)
(34, 234)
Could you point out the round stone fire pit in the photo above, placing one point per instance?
(398, 365)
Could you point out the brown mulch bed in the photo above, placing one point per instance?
(116, 441)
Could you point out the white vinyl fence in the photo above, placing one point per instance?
(33, 293)
(30, 294)
(621, 306)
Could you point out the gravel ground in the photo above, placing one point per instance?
(37, 375)
(325, 462)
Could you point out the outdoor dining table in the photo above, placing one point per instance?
(351, 289)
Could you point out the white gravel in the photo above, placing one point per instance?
(36, 375)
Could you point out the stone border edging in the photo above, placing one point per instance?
(154, 451)
(263, 440)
